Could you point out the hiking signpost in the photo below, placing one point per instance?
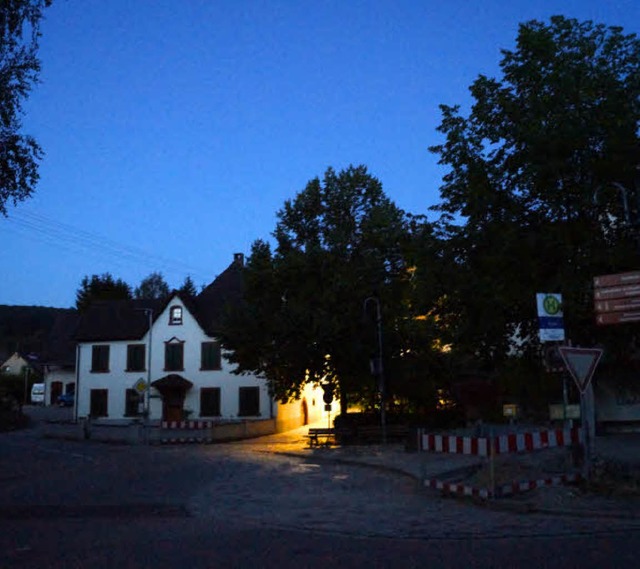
(581, 363)
(617, 298)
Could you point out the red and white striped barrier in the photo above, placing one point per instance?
(505, 490)
(456, 488)
(187, 424)
(503, 444)
(183, 441)
(516, 487)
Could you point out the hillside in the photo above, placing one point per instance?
(26, 328)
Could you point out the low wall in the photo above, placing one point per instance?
(135, 433)
(243, 430)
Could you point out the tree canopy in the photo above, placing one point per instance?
(101, 287)
(530, 201)
(152, 287)
(19, 70)
(338, 242)
(188, 287)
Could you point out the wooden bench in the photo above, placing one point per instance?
(317, 433)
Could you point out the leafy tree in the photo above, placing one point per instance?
(518, 210)
(19, 70)
(338, 242)
(101, 287)
(152, 287)
(188, 287)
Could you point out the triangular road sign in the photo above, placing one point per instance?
(581, 363)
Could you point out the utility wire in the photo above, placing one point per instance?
(69, 237)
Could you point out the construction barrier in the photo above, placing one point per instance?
(504, 490)
(492, 446)
(188, 424)
(503, 444)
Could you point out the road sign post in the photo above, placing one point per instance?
(581, 364)
(550, 317)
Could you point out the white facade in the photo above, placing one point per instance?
(116, 380)
(58, 380)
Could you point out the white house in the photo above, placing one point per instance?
(168, 350)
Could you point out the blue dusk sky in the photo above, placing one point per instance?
(174, 130)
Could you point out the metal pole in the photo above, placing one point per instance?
(147, 406)
(149, 313)
(383, 418)
(26, 384)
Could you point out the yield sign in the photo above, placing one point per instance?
(581, 363)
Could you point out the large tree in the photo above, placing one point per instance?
(19, 70)
(101, 287)
(531, 201)
(152, 287)
(338, 242)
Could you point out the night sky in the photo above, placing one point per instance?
(175, 130)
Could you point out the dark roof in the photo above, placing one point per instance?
(61, 344)
(172, 382)
(124, 320)
(224, 291)
(105, 320)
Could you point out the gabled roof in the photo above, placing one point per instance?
(30, 360)
(226, 290)
(112, 320)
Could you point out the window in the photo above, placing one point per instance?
(100, 359)
(249, 402)
(136, 357)
(175, 315)
(209, 401)
(210, 356)
(99, 402)
(174, 356)
(131, 401)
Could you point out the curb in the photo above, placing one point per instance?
(347, 461)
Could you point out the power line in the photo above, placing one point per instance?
(66, 236)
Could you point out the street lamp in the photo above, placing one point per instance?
(378, 369)
(147, 407)
(631, 213)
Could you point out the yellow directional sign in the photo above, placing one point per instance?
(140, 386)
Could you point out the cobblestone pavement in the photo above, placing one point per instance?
(287, 457)
(325, 490)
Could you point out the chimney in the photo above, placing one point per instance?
(238, 259)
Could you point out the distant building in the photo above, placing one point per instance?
(18, 364)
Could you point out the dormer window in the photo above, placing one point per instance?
(175, 315)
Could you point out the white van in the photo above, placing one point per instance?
(37, 394)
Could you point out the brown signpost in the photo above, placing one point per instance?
(617, 298)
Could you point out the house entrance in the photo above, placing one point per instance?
(172, 406)
(173, 389)
(56, 391)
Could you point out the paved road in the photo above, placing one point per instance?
(70, 504)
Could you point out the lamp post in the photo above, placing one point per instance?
(378, 368)
(147, 406)
(631, 212)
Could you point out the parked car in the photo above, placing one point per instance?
(37, 394)
(66, 399)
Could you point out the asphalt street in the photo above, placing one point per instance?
(85, 504)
